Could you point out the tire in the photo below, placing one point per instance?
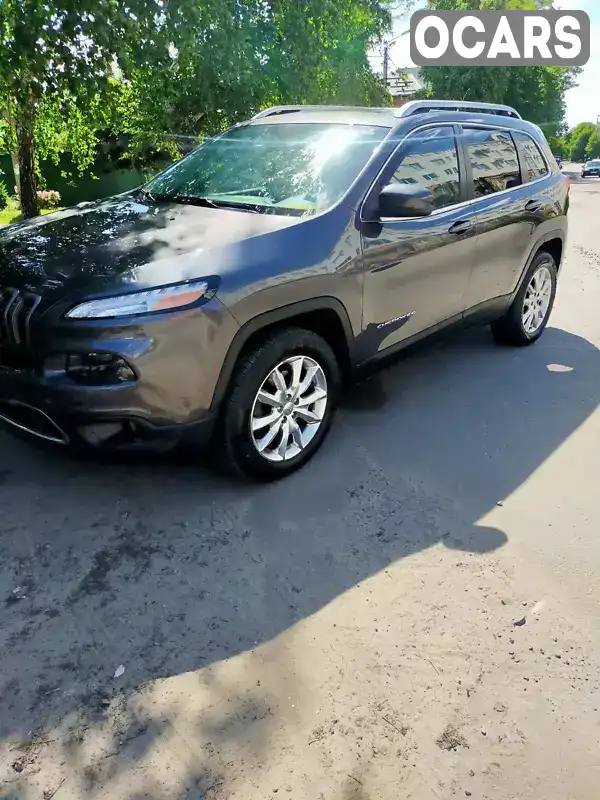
(237, 442)
(511, 329)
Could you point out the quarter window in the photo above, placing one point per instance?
(498, 169)
(534, 165)
(423, 152)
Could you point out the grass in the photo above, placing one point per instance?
(10, 215)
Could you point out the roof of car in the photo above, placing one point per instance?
(389, 118)
(342, 115)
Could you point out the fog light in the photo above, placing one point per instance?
(98, 369)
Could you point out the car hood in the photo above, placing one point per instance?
(100, 246)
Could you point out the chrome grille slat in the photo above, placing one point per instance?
(8, 298)
(13, 319)
(16, 311)
(35, 301)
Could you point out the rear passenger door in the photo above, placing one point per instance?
(506, 206)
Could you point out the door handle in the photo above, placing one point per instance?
(461, 227)
(533, 205)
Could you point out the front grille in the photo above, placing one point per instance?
(16, 310)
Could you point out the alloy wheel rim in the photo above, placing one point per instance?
(537, 300)
(289, 408)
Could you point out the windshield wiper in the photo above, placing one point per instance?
(207, 202)
(156, 198)
(204, 202)
(192, 201)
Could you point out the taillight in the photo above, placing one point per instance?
(568, 182)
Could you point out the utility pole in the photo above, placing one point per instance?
(386, 62)
(386, 55)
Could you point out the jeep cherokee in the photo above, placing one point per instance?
(234, 293)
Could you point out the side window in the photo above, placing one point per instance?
(534, 165)
(493, 159)
(429, 160)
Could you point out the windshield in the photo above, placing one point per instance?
(594, 163)
(287, 168)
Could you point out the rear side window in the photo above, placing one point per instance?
(534, 165)
(493, 159)
(429, 160)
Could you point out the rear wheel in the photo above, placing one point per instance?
(530, 311)
(281, 404)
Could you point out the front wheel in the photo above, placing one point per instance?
(281, 404)
(530, 311)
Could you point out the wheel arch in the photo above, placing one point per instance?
(326, 316)
(552, 242)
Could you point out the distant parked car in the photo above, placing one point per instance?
(558, 160)
(591, 168)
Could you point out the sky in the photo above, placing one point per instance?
(583, 101)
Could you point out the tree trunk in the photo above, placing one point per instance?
(26, 154)
(15, 165)
(13, 153)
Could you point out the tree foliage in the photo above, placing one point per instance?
(233, 59)
(580, 138)
(558, 145)
(592, 149)
(72, 67)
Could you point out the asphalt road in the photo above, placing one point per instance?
(412, 616)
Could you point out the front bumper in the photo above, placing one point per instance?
(176, 361)
(99, 417)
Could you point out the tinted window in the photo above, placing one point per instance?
(494, 161)
(429, 160)
(534, 165)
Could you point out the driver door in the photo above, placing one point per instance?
(417, 269)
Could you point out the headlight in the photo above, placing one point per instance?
(165, 298)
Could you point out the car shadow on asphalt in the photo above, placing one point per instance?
(162, 565)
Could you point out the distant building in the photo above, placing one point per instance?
(404, 85)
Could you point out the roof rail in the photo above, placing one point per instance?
(425, 106)
(275, 110)
(407, 110)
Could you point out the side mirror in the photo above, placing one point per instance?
(400, 200)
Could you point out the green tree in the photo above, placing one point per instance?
(592, 149)
(56, 61)
(255, 54)
(558, 145)
(578, 140)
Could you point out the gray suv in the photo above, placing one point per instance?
(232, 296)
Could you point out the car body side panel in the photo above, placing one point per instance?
(415, 267)
(510, 225)
(318, 257)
